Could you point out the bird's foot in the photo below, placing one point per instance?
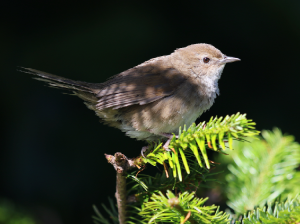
(144, 149)
(169, 136)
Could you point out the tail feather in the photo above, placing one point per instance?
(85, 91)
(61, 82)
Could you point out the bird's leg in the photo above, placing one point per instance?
(144, 149)
(169, 136)
(165, 146)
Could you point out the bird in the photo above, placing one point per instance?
(152, 100)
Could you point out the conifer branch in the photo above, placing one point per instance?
(174, 209)
(198, 138)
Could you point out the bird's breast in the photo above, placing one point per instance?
(167, 114)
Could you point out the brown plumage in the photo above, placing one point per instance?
(156, 96)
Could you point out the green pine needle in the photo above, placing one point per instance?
(198, 138)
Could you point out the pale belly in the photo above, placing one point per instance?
(166, 116)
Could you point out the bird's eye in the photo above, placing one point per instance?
(206, 60)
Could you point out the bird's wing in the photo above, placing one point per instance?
(140, 85)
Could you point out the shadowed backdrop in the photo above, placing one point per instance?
(52, 146)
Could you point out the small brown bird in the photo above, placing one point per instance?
(152, 100)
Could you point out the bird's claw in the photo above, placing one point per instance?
(144, 149)
(169, 136)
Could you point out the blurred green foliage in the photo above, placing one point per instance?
(10, 214)
(287, 212)
(263, 170)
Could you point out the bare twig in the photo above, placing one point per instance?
(121, 165)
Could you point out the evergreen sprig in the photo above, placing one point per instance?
(197, 138)
(184, 208)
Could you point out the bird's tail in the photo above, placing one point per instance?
(84, 90)
(61, 82)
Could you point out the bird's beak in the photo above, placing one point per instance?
(227, 59)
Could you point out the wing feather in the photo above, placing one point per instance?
(138, 87)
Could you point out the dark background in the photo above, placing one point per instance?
(52, 146)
